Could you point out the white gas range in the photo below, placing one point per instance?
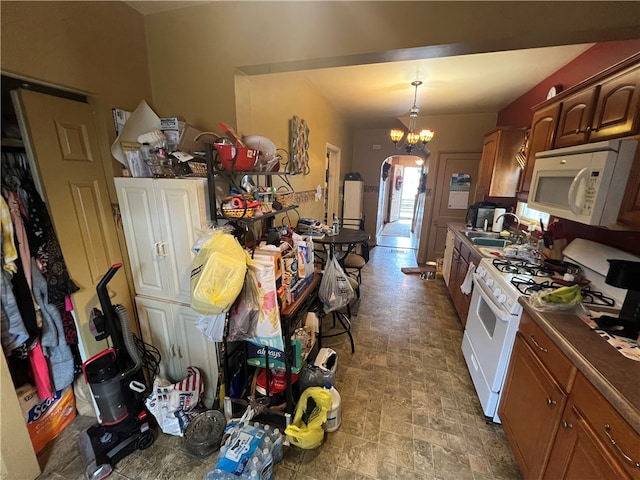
(494, 312)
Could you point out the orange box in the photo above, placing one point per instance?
(46, 420)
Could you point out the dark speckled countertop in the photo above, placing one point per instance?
(615, 376)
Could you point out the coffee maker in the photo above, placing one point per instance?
(624, 274)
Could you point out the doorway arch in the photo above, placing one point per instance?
(402, 178)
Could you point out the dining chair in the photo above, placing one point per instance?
(358, 255)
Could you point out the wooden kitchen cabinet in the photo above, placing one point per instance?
(608, 108)
(541, 137)
(597, 436)
(499, 172)
(577, 454)
(462, 256)
(603, 107)
(557, 423)
(530, 409)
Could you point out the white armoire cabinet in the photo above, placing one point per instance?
(162, 219)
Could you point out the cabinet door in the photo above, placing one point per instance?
(487, 162)
(541, 137)
(141, 225)
(156, 326)
(195, 350)
(506, 171)
(461, 300)
(453, 276)
(577, 454)
(182, 211)
(530, 409)
(575, 118)
(617, 111)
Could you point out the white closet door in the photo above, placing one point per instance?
(141, 225)
(183, 216)
(196, 350)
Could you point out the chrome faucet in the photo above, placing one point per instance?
(517, 234)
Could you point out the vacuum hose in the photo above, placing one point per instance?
(129, 343)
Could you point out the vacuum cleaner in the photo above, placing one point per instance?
(117, 382)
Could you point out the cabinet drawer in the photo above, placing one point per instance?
(608, 425)
(549, 354)
(465, 251)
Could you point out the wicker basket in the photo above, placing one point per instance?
(238, 213)
(286, 199)
(198, 169)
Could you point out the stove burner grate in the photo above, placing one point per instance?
(527, 286)
(521, 267)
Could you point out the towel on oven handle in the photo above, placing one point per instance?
(466, 285)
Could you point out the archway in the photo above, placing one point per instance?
(401, 178)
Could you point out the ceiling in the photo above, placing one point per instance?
(370, 95)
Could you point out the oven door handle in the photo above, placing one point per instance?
(487, 295)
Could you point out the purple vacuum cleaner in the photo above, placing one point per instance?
(117, 382)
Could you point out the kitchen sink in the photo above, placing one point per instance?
(471, 234)
(489, 241)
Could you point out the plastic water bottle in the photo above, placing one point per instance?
(218, 474)
(277, 450)
(334, 415)
(336, 227)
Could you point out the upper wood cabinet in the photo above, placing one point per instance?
(607, 109)
(602, 107)
(541, 137)
(499, 171)
(574, 122)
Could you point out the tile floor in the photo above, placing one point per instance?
(409, 408)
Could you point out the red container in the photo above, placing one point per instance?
(236, 158)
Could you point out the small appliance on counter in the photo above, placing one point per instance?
(478, 213)
(624, 274)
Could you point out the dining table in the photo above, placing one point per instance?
(348, 237)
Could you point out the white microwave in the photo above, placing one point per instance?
(584, 183)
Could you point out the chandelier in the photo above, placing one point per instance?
(413, 138)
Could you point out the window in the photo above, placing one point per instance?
(530, 215)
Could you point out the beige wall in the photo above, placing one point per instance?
(453, 133)
(98, 48)
(194, 52)
(274, 100)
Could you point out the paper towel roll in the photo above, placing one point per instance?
(497, 222)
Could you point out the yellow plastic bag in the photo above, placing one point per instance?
(306, 431)
(217, 274)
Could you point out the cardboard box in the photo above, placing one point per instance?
(274, 256)
(46, 420)
(255, 357)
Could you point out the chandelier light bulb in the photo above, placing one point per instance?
(413, 138)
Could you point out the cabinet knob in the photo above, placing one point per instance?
(179, 352)
(173, 350)
(551, 401)
(565, 424)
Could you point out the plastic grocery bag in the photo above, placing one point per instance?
(335, 290)
(245, 312)
(267, 330)
(217, 273)
(174, 404)
(306, 431)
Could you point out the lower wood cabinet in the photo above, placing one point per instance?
(577, 454)
(170, 327)
(530, 409)
(557, 423)
(462, 256)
